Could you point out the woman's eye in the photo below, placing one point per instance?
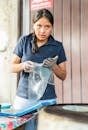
(47, 27)
(39, 26)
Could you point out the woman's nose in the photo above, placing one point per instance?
(42, 29)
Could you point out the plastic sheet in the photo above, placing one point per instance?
(37, 82)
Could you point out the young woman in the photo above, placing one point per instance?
(38, 47)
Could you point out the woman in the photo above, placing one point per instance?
(38, 47)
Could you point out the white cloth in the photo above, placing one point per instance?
(20, 103)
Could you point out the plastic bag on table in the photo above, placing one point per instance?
(37, 82)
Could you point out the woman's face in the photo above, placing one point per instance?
(42, 29)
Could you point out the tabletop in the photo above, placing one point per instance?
(9, 123)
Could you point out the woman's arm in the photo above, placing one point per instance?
(16, 65)
(60, 70)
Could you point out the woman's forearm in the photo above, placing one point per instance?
(59, 72)
(16, 68)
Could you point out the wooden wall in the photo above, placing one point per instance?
(71, 27)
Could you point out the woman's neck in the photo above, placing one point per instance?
(41, 43)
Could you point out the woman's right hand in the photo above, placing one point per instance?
(28, 66)
(18, 66)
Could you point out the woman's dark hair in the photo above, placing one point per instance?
(43, 13)
(39, 14)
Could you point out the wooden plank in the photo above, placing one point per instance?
(84, 49)
(75, 43)
(66, 43)
(58, 36)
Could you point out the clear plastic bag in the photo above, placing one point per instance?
(37, 82)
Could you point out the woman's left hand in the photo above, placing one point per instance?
(50, 62)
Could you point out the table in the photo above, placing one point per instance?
(9, 123)
(16, 119)
(57, 118)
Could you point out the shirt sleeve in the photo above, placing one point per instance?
(61, 55)
(18, 50)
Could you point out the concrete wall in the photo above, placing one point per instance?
(8, 37)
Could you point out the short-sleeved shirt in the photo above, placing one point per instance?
(23, 49)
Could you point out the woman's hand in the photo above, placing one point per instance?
(28, 66)
(50, 62)
(18, 66)
(59, 70)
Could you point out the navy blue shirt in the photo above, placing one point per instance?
(23, 49)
